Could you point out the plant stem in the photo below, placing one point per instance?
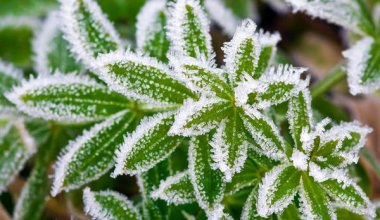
(372, 160)
(324, 85)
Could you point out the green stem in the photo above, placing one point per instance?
(372, 160)
(324, 85)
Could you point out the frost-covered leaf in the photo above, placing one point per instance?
(30, 203)
(109, 205)
(88, 30)
(229, 146)
(248, 52)
(363, 61)
(147, 145)
(314, 201)
(277, 189)
(249, 210)
(277, 85)
(222, 15)
(142, 78)
(265, 133)
(300, 117)
(351, 14)
(91, 154)
(67, 98)
(16, 146)
(51, 51)
(9, 77)
(340, 145)
(349, 195)
(202, 77)
(188, 29)
(151, 30)
(199, 117)
(208, 182)
(176, 189)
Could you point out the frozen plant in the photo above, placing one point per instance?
(362, 59)
(116, 108)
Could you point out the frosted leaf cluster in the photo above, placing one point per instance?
(142, 104)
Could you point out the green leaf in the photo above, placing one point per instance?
(207, 182)
(229, 146)
(200, 116)
(249, 210)
(277, 189)
(88, 30)
(188, 29)
(202, 78)
(249, 52)
(349, 195)
(314, 201)
(363, 70)
(353, 14)
(9, 77)
(109, 205)
(147, 145)
(16, 146)
(291, 212)
(67, 98)
(151, 30)
(142, 78)
(52, 50)
(265, 134)
(176, 190)
(300, 117)
(91, 154)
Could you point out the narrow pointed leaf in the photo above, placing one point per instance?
(199, 117)
(350, 14)
(350, 195)
(67, 98)
(142, 78)
(109, 205)
(9, 77)
(16, 146)
(277, 189)
(229, 146)
(363, 71)
(151, 30)
(268, 49)
(91, 154)
(208, 182)
(300, 117)
(88, 30)
(51, 49)
(188, 29)
(202, 78)
(314, 201)
(291, 212)
(147, 145)
(265, 134)
(242, 52)
(176, 190)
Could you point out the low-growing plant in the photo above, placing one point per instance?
(204, 140)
